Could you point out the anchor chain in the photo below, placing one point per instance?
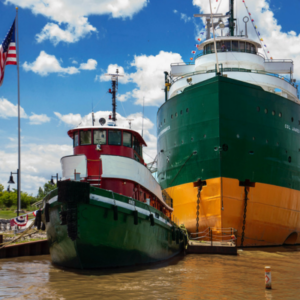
(244, 217)
(198, 207)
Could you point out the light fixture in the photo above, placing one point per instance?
(11, 179)
(52, 181)
(189, 80)
(221, 24)
(8, 189)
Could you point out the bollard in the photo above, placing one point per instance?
(268, 279)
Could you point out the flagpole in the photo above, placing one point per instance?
(19, 120)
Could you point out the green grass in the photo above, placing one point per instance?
(9, 214)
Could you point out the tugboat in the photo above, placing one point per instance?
(228, 140)
(108, 210)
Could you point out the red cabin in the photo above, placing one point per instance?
(111, 157)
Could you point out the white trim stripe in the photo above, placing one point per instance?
(122, 204)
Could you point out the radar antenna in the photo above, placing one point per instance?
(113, 91)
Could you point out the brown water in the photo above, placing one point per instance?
(185, 277)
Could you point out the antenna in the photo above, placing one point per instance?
(93, 116)
(129, 121)
(143, 117)
(114, 82)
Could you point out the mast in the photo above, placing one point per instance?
(113, 91)
(231, 20)
(19, 119)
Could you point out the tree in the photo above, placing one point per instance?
(48, 187)
(9, 199)
(1, 190)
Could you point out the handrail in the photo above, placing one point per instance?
(215, 234)
(258, 53)
(182, 64)
(234, 70)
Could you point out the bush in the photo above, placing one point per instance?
(9, 199)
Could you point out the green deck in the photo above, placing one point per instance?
(224, 134)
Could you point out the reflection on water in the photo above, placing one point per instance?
(185, 277)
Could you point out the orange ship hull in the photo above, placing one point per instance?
(272, 216)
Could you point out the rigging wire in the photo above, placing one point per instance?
(256, 31)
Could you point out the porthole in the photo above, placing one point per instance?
(176, 114)
(273, 113)
(225, 147)
(181, 112)
(171, 116)
(266, 111)
(292, 119)
(258, 108)
(187, 110)
(280, 115)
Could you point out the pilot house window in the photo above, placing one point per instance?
(127, 139)
(114, 137)
(99, 137)
(136, 146)
(75, 139)
(85, 137)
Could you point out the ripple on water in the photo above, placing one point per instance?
(184, 277)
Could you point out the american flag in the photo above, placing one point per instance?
(8, 53)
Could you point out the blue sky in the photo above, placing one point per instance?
(66, 47)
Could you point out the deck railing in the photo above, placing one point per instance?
(214, 234)
(236, 70)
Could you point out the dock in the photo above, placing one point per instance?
(25, 249)
(205, 247)
(213, 241)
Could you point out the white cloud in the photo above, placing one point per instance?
(282, 45)
(38, 163)
(175, 11)
(72, 34)
(91, 64)
(46, 64)
(149, 77)
(74, 62)
(8, 109)
(73, 15)
(124, 97)
(112, 70)
(69, 119)
(185, 18)
(75, 120)
(35, 119)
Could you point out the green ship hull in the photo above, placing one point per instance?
(103, 229)
(238, 147)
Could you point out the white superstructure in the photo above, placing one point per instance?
(239, 59)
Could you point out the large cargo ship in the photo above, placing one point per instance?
(108, 210)
(228, 142)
